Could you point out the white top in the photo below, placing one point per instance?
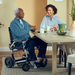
(55, 21)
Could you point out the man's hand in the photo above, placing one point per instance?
(33, 27)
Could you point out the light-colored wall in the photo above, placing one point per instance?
(33, 14)
(69, 18)
(62, 9)
(34, 10)
(6, 16)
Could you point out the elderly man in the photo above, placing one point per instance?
(20, 31)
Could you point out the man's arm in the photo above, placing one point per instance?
(17, 31)
(31, 27)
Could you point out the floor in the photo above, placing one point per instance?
(16, 54)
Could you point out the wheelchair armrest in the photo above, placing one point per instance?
(21, 41)
(17, 41)
(12, 45)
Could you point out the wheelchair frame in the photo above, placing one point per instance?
(24, 61)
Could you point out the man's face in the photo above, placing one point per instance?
(20, 14)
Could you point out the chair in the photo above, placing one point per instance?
(10, 61)
(61, 53)
(25, 60)
(70, 60)
(71, 57)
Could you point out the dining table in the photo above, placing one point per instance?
(55, 39)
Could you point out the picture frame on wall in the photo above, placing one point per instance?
(58, 0)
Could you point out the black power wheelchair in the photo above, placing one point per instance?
(24, 62)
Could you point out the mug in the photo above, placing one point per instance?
(48, 28)
(61, 26)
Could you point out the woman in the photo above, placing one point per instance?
(51, 19)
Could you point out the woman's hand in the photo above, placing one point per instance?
(33, 27)
(54, 27)
(51, 28)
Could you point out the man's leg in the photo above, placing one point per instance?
(30, 47)
(42, 49)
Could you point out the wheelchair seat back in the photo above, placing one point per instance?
(11, 41)
(10, 34)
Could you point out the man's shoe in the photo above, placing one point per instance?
(37, 64)
(33, 66)
(43, 63)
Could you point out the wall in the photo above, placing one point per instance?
(34, 13)
(69, 18)
(6, 16)
(62, 8)
(34, 10)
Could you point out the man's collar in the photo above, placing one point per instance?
(18, 18)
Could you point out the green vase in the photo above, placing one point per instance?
(61, 26)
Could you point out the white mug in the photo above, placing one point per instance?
(48, 28)
(41, 30)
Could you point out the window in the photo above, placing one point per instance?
(59, 0)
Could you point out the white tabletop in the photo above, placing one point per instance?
(52, 37)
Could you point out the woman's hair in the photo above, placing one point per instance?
(53, 7)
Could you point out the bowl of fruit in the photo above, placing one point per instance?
(61, 32)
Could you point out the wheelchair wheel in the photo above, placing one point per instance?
(25, 67)
(43, 63)
(8, 62)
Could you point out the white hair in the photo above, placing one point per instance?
(16, 10)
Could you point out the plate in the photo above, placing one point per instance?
(39, 31)
(61, 33)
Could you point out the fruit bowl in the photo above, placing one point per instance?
(61, 33)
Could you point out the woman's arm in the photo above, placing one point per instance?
(43, 23)
(60, 21)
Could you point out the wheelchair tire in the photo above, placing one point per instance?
(43, 63)
(25, 67)
(8, 62)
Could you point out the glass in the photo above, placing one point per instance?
(41, 30)
(48, 28)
